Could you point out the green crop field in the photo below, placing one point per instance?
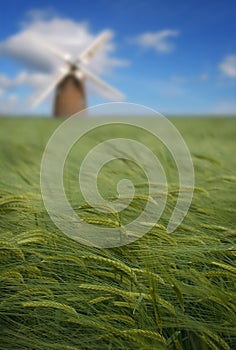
(163, 291)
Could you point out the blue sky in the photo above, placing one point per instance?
(174, 56)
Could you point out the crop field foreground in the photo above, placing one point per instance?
(163, 291)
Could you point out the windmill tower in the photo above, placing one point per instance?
(69, 82)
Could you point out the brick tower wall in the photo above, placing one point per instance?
(70, 97)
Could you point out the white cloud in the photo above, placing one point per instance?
(38, 61)
(67, 35)
(158, 41)
(228, 66)
(11, 99)
(10, 104)
(39, 14)
(24, 78)
(203, 77)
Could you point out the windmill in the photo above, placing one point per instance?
(69, 81)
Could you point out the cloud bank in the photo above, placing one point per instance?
(158, 41)
(228, 66)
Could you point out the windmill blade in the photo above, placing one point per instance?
(89, 53)
(112, 93)
(57, 52)
(55, 80)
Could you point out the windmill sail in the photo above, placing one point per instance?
(109, 91)
(91, 51)
(54, 82)
(70, 94)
